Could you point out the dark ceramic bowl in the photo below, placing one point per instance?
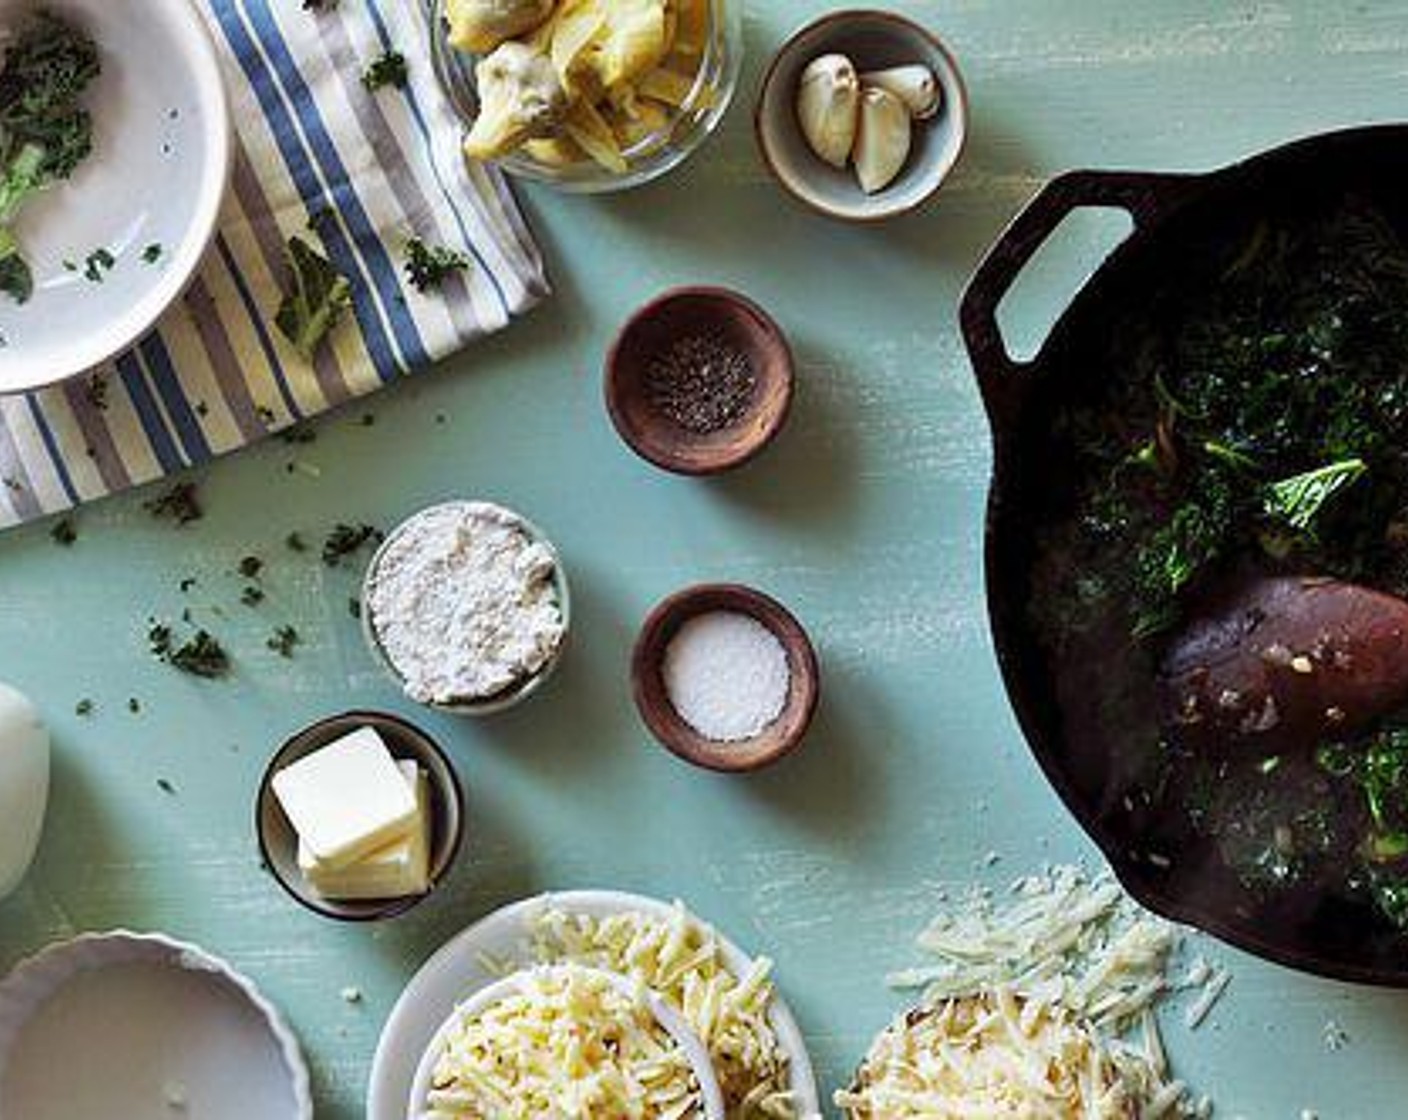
(278, 844)
(679, 313)
(779, 738)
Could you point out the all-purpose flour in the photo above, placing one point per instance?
(463, 604)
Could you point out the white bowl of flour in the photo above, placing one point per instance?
(466, 605)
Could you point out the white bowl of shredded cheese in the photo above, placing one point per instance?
(566, 1040)
(726, 996)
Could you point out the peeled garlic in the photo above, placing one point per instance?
(883, 139)
(520, 98)
(828, 101)
(915, 85)
(481, 25)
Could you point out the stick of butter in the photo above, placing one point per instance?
(346, 799)
(395, 870)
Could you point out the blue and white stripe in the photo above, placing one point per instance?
(382, 167)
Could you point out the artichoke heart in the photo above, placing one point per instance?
(520, 98)
(576, 33)
(593, 135)
(638, 37)
(481, 25)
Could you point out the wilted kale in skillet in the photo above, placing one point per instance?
(1263, 414)
(1254, 420)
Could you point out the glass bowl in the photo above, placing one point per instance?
(657, 152)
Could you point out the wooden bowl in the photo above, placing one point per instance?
(780, 737)
(278, 843)
(677, 314)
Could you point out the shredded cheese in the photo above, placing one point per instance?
(989, 1055)
(1082, 956)
(566, 1044)
(681, 960)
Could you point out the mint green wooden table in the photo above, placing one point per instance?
(866, 518)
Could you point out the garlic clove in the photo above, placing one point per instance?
(915, 85)
(828, 104)
(883, 139)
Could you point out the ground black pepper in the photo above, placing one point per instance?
(701, 383)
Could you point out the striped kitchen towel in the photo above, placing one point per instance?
(374, 170)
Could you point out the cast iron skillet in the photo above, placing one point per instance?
(1175, 217)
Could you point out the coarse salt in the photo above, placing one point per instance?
(463, 603)
(727, 675)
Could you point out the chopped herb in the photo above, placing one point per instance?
(152, 253)
(165, 786)
(354, 607)
(202, 409)
(186, 585)
(388, 70)
(316, 298)
(159, 640)
(95, 391)
(252, 596)
(301, 434)
(84, 707)
(296, 543)
(64, 533)
(429, 266)
(134, 705)
(201, 655)
(179, 503)
(345, 540)
(368, 419)
(250, 567)
(283, 641)
(266, 415)
(96, 264)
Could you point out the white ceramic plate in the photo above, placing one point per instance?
(161, 154)
(141, 1027)
(458, 970)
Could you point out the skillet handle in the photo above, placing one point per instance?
(1143, 195)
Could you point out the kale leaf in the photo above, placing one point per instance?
(317, 298)
(44, 132)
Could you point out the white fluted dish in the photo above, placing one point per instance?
(137, 1026)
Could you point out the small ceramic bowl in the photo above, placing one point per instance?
(658, 152)
(780, 737)
(156, 176)
(674, 1023)
(873, 40)
(278, 843)
(163, 1029)
(513, 695)
(680, 313)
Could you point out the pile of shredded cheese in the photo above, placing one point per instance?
(681, 960)
(989, 1055)
(1062, 937)
(567, 1043)
(1085, 966)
